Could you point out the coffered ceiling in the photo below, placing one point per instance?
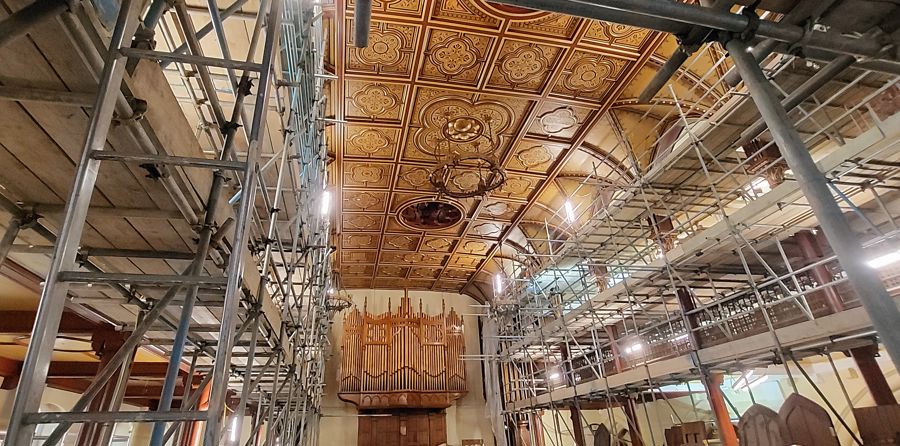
(535, 89)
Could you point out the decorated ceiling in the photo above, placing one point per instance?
(543, 95)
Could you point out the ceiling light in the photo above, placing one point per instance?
(554, 376)
(331, 291)
(634, 348)
(884, 260)
(326, 202)
(748, 380)
(498, 284)
(570, 212)
(234, 428)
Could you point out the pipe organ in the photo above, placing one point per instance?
(402, 359)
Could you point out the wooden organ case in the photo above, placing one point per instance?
(402, 359)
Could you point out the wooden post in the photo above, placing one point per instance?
(872, 375)
(812, 252)
(574, 411)
(727, 435)
(711, 381)
(634, 429)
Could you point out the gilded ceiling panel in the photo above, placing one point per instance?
(364, 201)
(559, 121)
(456, 274)
(615, 34)
(358, 256)
(465, 261)
(423, 272)
(367, 175)
(394, 7)
(534, 156)
(517, 186)
(551, 25)
(412, 258)
(401, 242)
(371, 142)
(360, 240)
(437, 244)
(500, 209)
(375, 101)
(359, 270)
(455, 57)
(392, 271)
(487, 229)
(589, 75)
(390, 52)
(465, 12)
(362, 222)
(524, 66)
(414, 178)
(477, 247)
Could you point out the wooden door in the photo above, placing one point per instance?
(808, 424)
(403, 430)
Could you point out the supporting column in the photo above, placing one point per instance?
(711, 381)
(634, 430)
(865, 282)
(812, 253)
(727, 435)
(574, 410)
(872, 375)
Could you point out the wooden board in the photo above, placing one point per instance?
(807, 423)
(879, 425)
(761, 426)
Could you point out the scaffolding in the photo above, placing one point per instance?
(672, 269)
(261, 263)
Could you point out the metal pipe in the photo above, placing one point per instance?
(20, 22)
(678, 58)
(9, 236)
(763, 49)
(236, 261)
(228, 12)
(677, 18)
(206, 234)
(362, 22)
(53, 296)
(865, 281)
(800, 94)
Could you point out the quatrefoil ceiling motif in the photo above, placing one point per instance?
(558, 120)
(366, 174)
(455, 55)
(369, 141)
(472, 126)
(589, 74)
(384, 47)
(520, 66)
(375, 99)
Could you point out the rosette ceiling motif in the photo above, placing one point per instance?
(547, 96)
